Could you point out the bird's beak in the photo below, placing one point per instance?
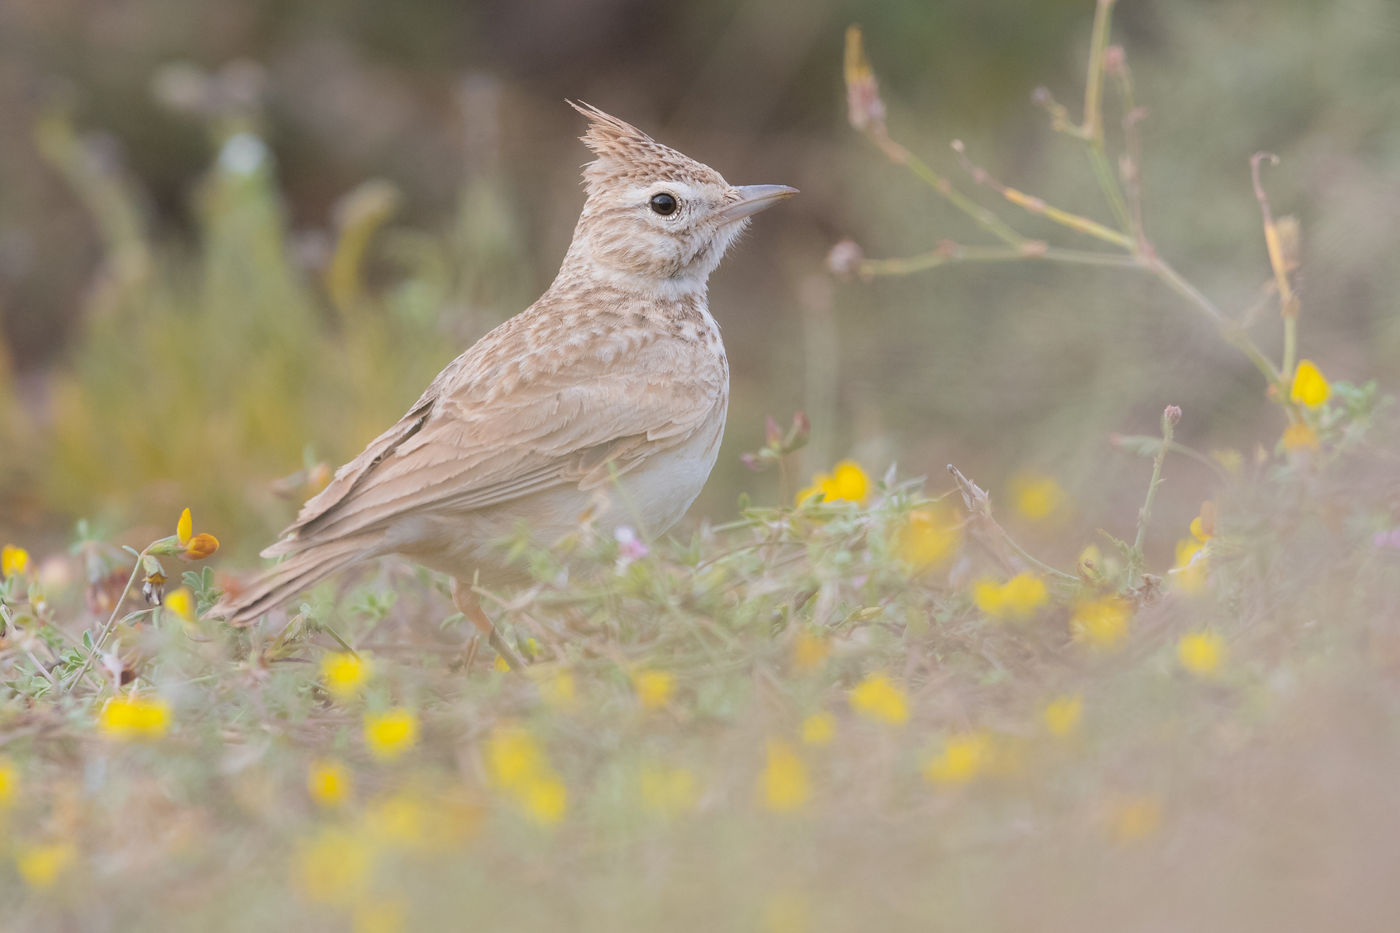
(752, 199)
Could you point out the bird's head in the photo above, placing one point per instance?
(654, 218)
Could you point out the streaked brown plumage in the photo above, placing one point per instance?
(616, 371)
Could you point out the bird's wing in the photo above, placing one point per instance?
(467, 444)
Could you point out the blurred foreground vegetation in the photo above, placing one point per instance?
(1151, 689)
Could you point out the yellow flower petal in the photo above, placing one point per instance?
(928, 537)
(877, 698)
(42, 865)
(1018, 598)
(513, 757)
(345, 674)
(1062, 714)
(1310, 387)
(328, 783)
(1023, 594)
(200, 546)
(545, 799)
(783, 786)
(390, 734)
(184, 528)
(181, 603)
(1201, 653)
(134, 717)
(9, 783)
(963, 758)
(654, 688)
(14, 561)
(1101, 623)
(848, 483)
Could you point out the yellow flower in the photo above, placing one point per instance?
(333, 866)
(809, 650)
(986, 595)
(512, 757)
(328, 783)
(877, 698)
(389, 734)
(818, 729)
(928, 537)
(668, 792)
(201, 546)
(1189, 572)
(515, 763)
(14, 561)
(1131, 819)
(846, 482)
(545, 799)
(181, 603)
(654, 688)
(135, 717)
(379, 917)
(1101, 623)
(963, 758)
(1023, 594)
(1036, 497)
(196, 546)
(1018, 598)
(9, 783)
(1062, 714)
(1310, 387)
(1201, 653)
(1298, 437)
(42, 865)
(783, 785)
(345, 674)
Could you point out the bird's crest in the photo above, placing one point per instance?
(626, 155)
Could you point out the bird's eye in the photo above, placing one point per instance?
(664, 204)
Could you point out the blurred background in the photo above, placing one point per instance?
(237, 239)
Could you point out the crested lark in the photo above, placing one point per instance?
(606, 397)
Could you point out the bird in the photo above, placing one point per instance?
(603, 401)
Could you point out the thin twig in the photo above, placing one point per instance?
(981, 215)
(949, 252)
(1169, 419)
(110, 624)
(1038, 206)
(979, 507)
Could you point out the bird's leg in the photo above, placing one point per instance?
(467, 604)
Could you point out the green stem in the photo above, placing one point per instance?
(1290, 346)
(1093, 87)
(941, 257)
(338, 640)
(981, 215)
(1173, 280)
(1145, 514)
(1098, 158)
(110, 624)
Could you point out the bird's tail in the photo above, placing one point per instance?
(303, 569)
